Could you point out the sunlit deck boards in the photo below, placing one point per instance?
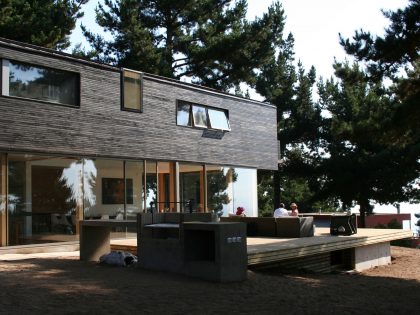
(267, 250)
(271, 250)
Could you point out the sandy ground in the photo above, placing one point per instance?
(61, 284)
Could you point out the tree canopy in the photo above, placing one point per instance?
(359, 167)
(395, 56)
(360, 141)
(375, 122)
(289, 87)
(42, 23)
(209, 41)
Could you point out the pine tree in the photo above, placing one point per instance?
(298, 118)
(211, 42)
(359, 166)
(395, 56)
(43, 23)
(378, 123)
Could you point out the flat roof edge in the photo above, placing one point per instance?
(53, 53)
(66, 56)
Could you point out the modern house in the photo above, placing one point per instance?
(83, 140)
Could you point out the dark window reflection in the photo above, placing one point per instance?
(43, 84)
(132, 90)
(183, 115)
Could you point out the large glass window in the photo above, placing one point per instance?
(244, 190)
(166, 179)
(151, 186)
(219, 188)
(40, 83)
(132, 96)
(229, 188)
(218, 119)
(134, 188)
(191, 185)
(44, 199)
(104, 189)
(3, 197)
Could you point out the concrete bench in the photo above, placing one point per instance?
(214, 251)
(95, 239)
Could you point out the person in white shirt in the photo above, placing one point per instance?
(281, 212)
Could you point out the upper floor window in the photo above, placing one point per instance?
(194, 115)
(132, 91)
(199, 116)
(40, 83)
(183, 114)
(218, 119)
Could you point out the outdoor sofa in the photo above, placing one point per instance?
(285, 227)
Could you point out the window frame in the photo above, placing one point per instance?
(200, 126)
(5, 83)
(190, 119)
(191, 115)
(123, 108)
(226, 117)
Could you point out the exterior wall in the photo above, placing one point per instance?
(100, 128)
(369, 256)
(377, 219)
(3, 198)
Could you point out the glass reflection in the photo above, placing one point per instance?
(183, 114)
(44, 199)
(3, 197)
(191, 186)
(151, 186)
(166, 179)
(219, 189)
(132, 90)
(218, 119)
(104, 189)
(244, 191)
(134, 185)
(43, 84)
(200, 116)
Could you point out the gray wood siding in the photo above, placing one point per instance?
(100, 128)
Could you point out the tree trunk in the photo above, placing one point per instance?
(276, 189)
(277, 179)
(169, 46)
(364, 206)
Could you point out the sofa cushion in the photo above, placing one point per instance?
(287, 227)
(265, 227)
(295, 226)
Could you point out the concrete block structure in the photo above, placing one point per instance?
(214, 251)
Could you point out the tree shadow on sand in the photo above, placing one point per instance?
(70, 286)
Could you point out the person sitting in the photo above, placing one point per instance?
(294, 212)
(281, 211)
(240, 211)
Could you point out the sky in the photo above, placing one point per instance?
(314, 24)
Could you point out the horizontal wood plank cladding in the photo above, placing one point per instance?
(100, 128)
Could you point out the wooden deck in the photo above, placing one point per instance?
(263, 251)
